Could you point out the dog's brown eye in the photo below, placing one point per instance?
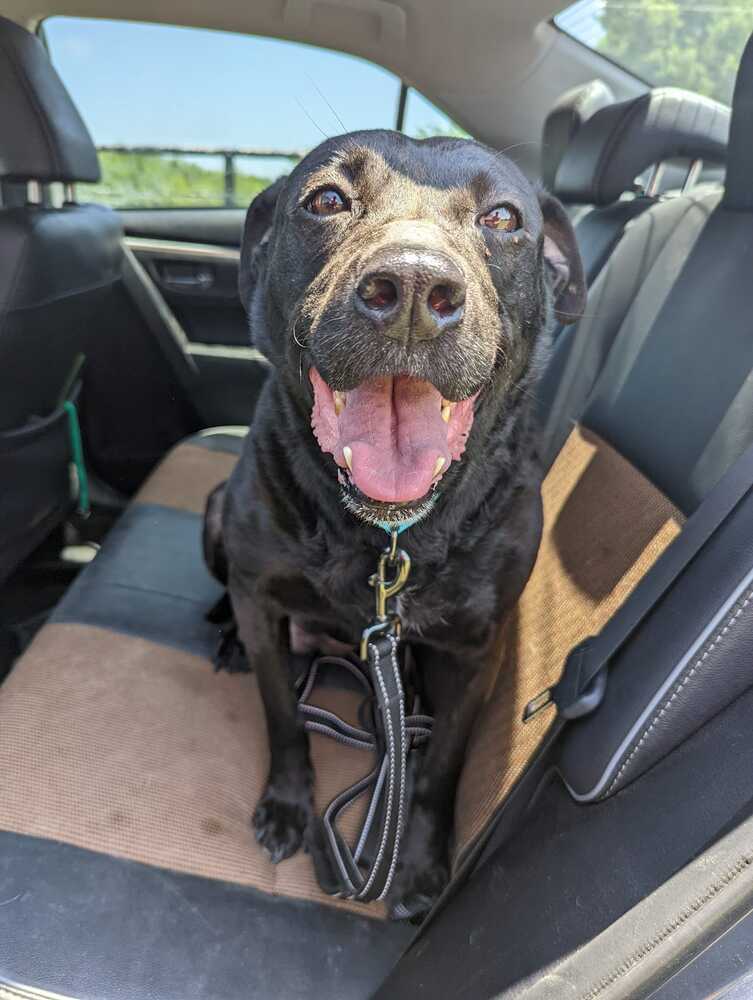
(327, 202)
(504, 218)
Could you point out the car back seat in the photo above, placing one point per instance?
(618, 144)
(599, 172)
(629, 795)
(160, 761)
(132, 763)
(568, 115)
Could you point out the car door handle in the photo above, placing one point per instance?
(200, 280)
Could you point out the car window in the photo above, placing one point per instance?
(175, 137)
(679, 43)
(187, 117)
(424, 119)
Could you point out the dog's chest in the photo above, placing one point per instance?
(309, 631)
(436, 596)
(416, 618)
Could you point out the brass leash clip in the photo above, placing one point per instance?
(387, 621)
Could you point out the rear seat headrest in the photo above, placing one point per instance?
(738, 188)
(572, 109)
(621, 141)
(42, 136)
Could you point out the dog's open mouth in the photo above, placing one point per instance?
(394, 437)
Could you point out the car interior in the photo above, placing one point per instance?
(604, 854)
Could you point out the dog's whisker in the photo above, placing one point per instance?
(515, 145)
(321, 94)
(526, 392)
(574, 317)
(314, 123)
(295, 338)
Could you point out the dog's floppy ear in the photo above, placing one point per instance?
(259, 220)
(563, 260)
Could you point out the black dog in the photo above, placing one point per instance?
(401, 290)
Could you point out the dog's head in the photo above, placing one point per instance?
(400, 285)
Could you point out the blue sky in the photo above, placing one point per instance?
(148, 84)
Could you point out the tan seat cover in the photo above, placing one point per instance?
(186, 476)
(121, 745)
(605, 524)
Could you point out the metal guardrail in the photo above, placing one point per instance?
(228, 155)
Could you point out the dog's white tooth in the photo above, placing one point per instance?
(438, 467)
(339, 402)
(446, 412)
(348, 456)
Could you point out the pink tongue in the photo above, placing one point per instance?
(394, 429)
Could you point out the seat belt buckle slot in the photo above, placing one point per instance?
(538, 704)
(573, 701)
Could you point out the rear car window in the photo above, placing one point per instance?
(679, 43)
(193, 118)
(424, 119)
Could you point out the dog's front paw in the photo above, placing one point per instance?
(280, 821)
(230, 654)
(416, 888)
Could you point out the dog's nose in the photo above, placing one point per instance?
(411, 293)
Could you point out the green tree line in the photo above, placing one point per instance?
(694, 44)
(145, 180)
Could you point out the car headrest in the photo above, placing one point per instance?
(738, 186)
(622, 140)
(572, 109)
(42, 136)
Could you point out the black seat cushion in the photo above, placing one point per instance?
(612, 146)
(76, 923)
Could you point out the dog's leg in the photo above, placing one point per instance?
(423, 869)
(286, 805)
(211, 538)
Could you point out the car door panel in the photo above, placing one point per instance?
(218, 226)
(200, 284)
(191, 258)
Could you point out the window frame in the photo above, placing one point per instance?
(601, 55)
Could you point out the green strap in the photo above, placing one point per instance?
(77, 452)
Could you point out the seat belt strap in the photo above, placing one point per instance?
(581, 687)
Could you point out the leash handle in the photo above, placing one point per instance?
(378, 672)
(384, 667)
(364, 870)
